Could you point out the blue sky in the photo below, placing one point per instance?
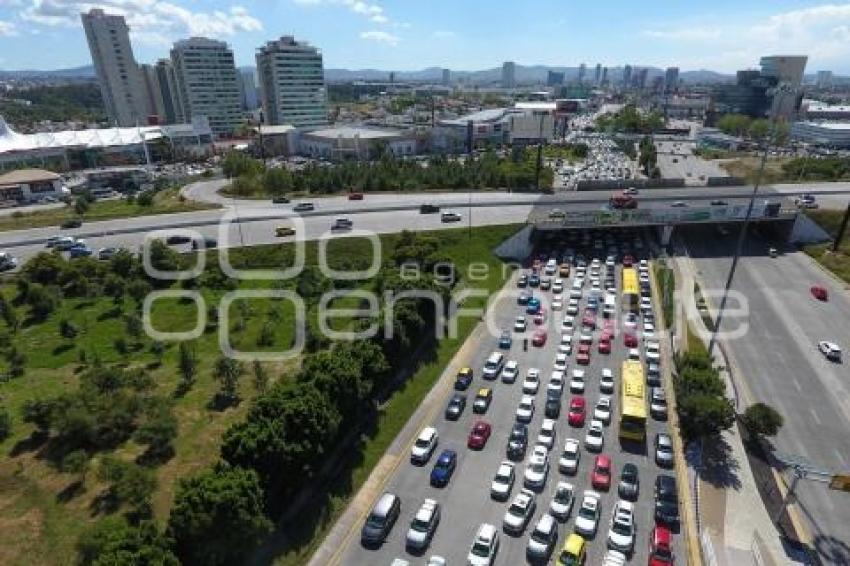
(722, 35)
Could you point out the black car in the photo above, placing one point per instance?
(429, 209)
(455, 407)
(176, 239)
(207, 243)
(553, 407)
(280, 200)
(517, 442)
(522, 281)
(71, 223)
(666, 500)
(523, 297)
(719, 203)
(629, 486)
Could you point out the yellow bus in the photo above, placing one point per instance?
(631, 290)
(632, 402)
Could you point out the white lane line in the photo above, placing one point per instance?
(840, 457)
(814, 414)
(797, 385)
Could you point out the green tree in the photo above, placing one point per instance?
(261, 377)
(138, 290)
(158, 351)
(762, 419)
(217, 517)
(236, 163)
(703, 416)
(38, 412)
(227, 371)
(115, 542)
(67, 329)
(145, 198)
(734, 124)
(277, 181)
(134, 326)
(81, 205)
(5, 423)
(759, 129)
(158, 432)
(187, 364)
(131, 484)
(41, 300)
(76, 462)
(8, 313)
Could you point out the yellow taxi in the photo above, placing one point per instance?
(482, 400)
(573, 553)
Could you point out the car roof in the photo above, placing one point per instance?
(661, 536)
(602, 459)
(486, 532)
(484, 391)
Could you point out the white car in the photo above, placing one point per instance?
(558, 286)
(572, 310)
(532, 381)
(484, 546)
(602, 410)
(510, 372)
(645, 304)
(556, 384)
(631, 320)
(537, 468)
(575, 293)
(652, 351)
(542, 540)
(568, 324)
(519, 324)
(606, 381)
(577, 381)
(831, 350)
(586, 338)
(424, 446)
(568, 463)
(525, 410)
(560, 361)
(648, 330)
(594, 439)
(621, 535)
(634, 354)
(566, 345)
(562, 501)
(547, 434)
(587, 517)
(503, 482)
(423, 526)
(519, 512)
(557, 303)
(614, 558)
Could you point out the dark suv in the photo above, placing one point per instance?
(666, 500)
(517, 442)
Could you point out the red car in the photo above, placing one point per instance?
(660, 551)
(608, 326)
(479, 435)
(605, 345)
(820, 293)
(540, 317)
(577, 411)
(583, 356)
(600, 475)
(630, 340)
(356, 195)
(628, 261)
(539, 338)
(589, 320)
(606, 336)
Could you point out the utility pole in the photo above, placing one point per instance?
(840, 235)
(799, 473)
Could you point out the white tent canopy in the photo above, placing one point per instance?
(12, 141)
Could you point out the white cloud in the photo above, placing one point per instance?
(821, 32)
(380, 37)
(148, 19)
(374, 12)
(7, 29)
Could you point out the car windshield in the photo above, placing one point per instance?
(516, 509)
(563, 496)
(375, 522)
(419, 525)
(587, 513)
(621, 528)
(540, 536)
(422, 443)
(480, 549)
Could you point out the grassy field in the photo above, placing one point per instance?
(837, 262)
(748, 167)
(42, 528)
(165, 202)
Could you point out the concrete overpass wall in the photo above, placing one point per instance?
(517, 247)
(807, 231)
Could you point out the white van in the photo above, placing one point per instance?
(610, 308)
(493, 365)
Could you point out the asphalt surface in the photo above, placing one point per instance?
(778, 362)
(677, 161)
(466, 501)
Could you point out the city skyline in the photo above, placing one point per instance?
(354, 34)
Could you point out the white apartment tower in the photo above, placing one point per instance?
(508, 74)
(207, 84)
(121, 83)
(292, 83)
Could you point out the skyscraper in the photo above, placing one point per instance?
(207, 83)
(597, 77)
(447, 77)
(554, 78)
(604, 79)
(671, 79)
(787, 71)
(121, 83)
(153, 92)
(292, 83)
(582, 69)
(248, 92)
(167, 83)
(627, 76)
(508, 74)
(824, 79)
(640, 78)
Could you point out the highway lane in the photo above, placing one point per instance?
(778, 361)
(466, 502)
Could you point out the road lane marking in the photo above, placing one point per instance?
(814, 415)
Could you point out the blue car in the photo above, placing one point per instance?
(505, 340)
(533, 306)
(534, 280)
(80, 251)
(444, 468)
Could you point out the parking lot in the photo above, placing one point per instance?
(465, 501)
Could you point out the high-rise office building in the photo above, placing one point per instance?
(582, 69)
(207, 83)
(508, 74)
(121, 83)
(824, 79)
(292, 83)
(787, 71)
(447, 77)
(627, 76)
(597, 76)
(153, 92)
(249, 94)
(640, 78)
(671, 79)
(554, 78)
(167, 82)
(604, 79)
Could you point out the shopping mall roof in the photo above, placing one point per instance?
(346, 132)
(488, 115)
(26, 176)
